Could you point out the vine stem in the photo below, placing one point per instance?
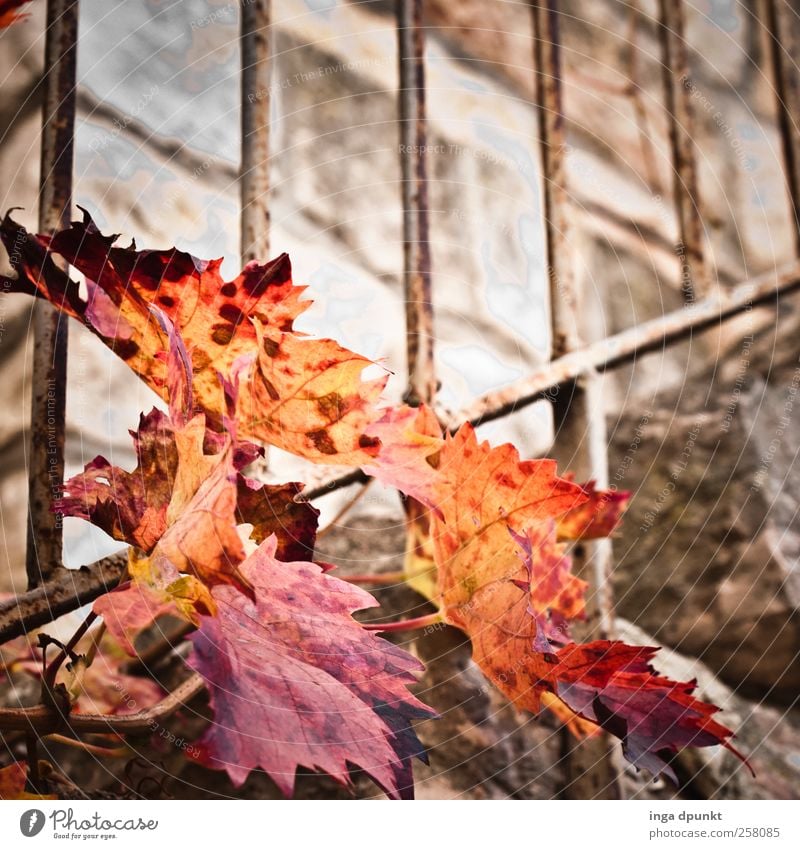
(406, 624)
(90, 748)
(382, 579)
(43, 720)
(346, 508)
(32, 752)
(49, 678)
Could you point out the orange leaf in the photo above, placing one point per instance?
(12, 783)
(482, 492)
(307, 396)
(301, 394)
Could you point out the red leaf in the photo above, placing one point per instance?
(614, 685)
(296, 681)
(598, 516)
(127, 610)
(10, 12)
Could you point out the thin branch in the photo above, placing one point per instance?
(345, 509)
(90, 748)
(379, 579)
(347, 479)
(49, 677)
(406, 624)
(32, 754)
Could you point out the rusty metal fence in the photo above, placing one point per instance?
(574, 369)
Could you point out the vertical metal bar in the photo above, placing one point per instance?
(640, 111)
(49, 376)
(580, 442)
(782, 45)
(678, 87)
(256, 19)
(560, 269)
(416, 242)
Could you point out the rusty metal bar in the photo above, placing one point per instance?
(782, 45)
(678, 88)
(624, 347)
(634, 90)
(256, 19)
(579, 417)
(560, 266)
(416, 240)
(49, 374)
(67, 591)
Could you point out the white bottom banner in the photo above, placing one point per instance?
(394, 824)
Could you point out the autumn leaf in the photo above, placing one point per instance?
(503, 577)
(11, 12)
(182, 503)
(614, 685)
(12, 783)
(410, 444)
(128, 610)
(475, 493)
(598, 516)
(301, 394)
(295, 681)
(518, 629)
(275, 509)
(482, 492)
(129, 506)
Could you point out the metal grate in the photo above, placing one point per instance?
(574, 368)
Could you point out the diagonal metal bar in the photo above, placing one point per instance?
(49, 372)
(579, 417)
(767, 290)
(256, 19)
(678, 87)
(782, 45)
(416, 240)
